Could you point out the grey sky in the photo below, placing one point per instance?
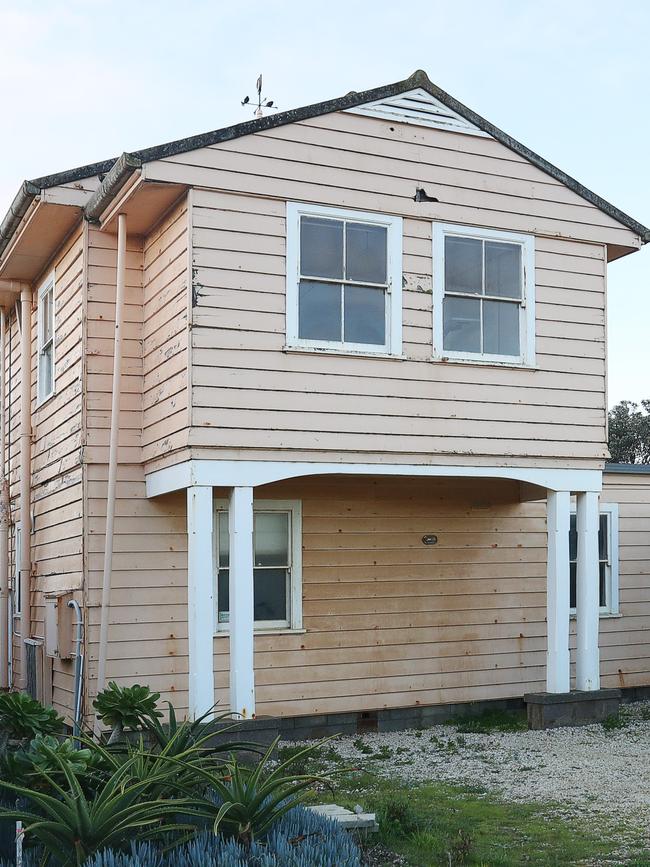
(84, 81)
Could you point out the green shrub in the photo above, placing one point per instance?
(23, 717)
(397, 818)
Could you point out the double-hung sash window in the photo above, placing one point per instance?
(344, 280)
(45, 316)
(483, 295)
(277, 585)
(607, 559)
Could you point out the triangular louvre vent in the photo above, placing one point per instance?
(420, 108)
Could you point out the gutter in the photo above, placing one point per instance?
(17, 210)
(124, 167)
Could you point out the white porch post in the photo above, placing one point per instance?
(557, 592)
(587, 592)
(242, 677)
(200, 599)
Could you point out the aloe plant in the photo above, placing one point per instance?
(72, 826)
(24, 717)
(246, 802)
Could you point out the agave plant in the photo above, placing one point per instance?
(24, 717)
(70, 826)
(126, 707)
(245, 802)
(176, 739)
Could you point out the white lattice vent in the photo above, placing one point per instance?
(420, 108)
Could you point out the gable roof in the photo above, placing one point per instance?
(118, 169)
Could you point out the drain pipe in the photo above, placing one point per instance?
(78, 666)
(25, 474)
(4, 516)
(112, 450)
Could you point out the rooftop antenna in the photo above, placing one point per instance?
(261, 103)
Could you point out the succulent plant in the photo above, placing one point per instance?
(24, 717)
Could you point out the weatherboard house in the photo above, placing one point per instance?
(307, 417)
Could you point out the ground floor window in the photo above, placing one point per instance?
(277, 546)
(607, 559)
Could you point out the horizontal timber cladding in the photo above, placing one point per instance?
(625, 640)
(391, 622)
(252, 397)
(56, 477)
(147, 638)
(165, 395)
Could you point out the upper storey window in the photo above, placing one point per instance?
(45, 316)
(344, 278)
(484, 295)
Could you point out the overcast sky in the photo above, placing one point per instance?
(84, 80)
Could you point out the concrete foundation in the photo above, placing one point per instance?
(548, 710)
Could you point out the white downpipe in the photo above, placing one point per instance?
(113, 449)
(25, 475)
(4, 516)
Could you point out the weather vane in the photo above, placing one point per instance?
(261, 103)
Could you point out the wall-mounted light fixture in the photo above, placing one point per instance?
(429, 539)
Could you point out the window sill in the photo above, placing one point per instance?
(604, 615)
(281, 630)
(42, 401)
(351, 353)
(479, 362)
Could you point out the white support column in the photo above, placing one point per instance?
(557, 592)
(200, 599)
(242, 675)
(587, 592)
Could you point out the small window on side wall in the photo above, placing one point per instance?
(45, 340)
(607, 559)
(484, 295)
(344, 280)
(277, 557)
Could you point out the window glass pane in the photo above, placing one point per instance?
(319, 311)
(46, 310)
(463, 265)
(602, 584)
(502, 269)
(572, 585)
(271, 539)
(223, 596)
(461, 324)
(270, 594)
(224, 542)
(500, 328)
(46, 372)
(365, 253)
(321, 247)
(603, 539)
(365, 315)
(573, 538)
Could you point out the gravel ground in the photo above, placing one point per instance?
(588, 772)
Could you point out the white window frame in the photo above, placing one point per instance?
(612, 606)
(47, 286)
(393, 345)
(294, 594)
(526, 357)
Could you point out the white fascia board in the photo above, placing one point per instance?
(220, 473)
